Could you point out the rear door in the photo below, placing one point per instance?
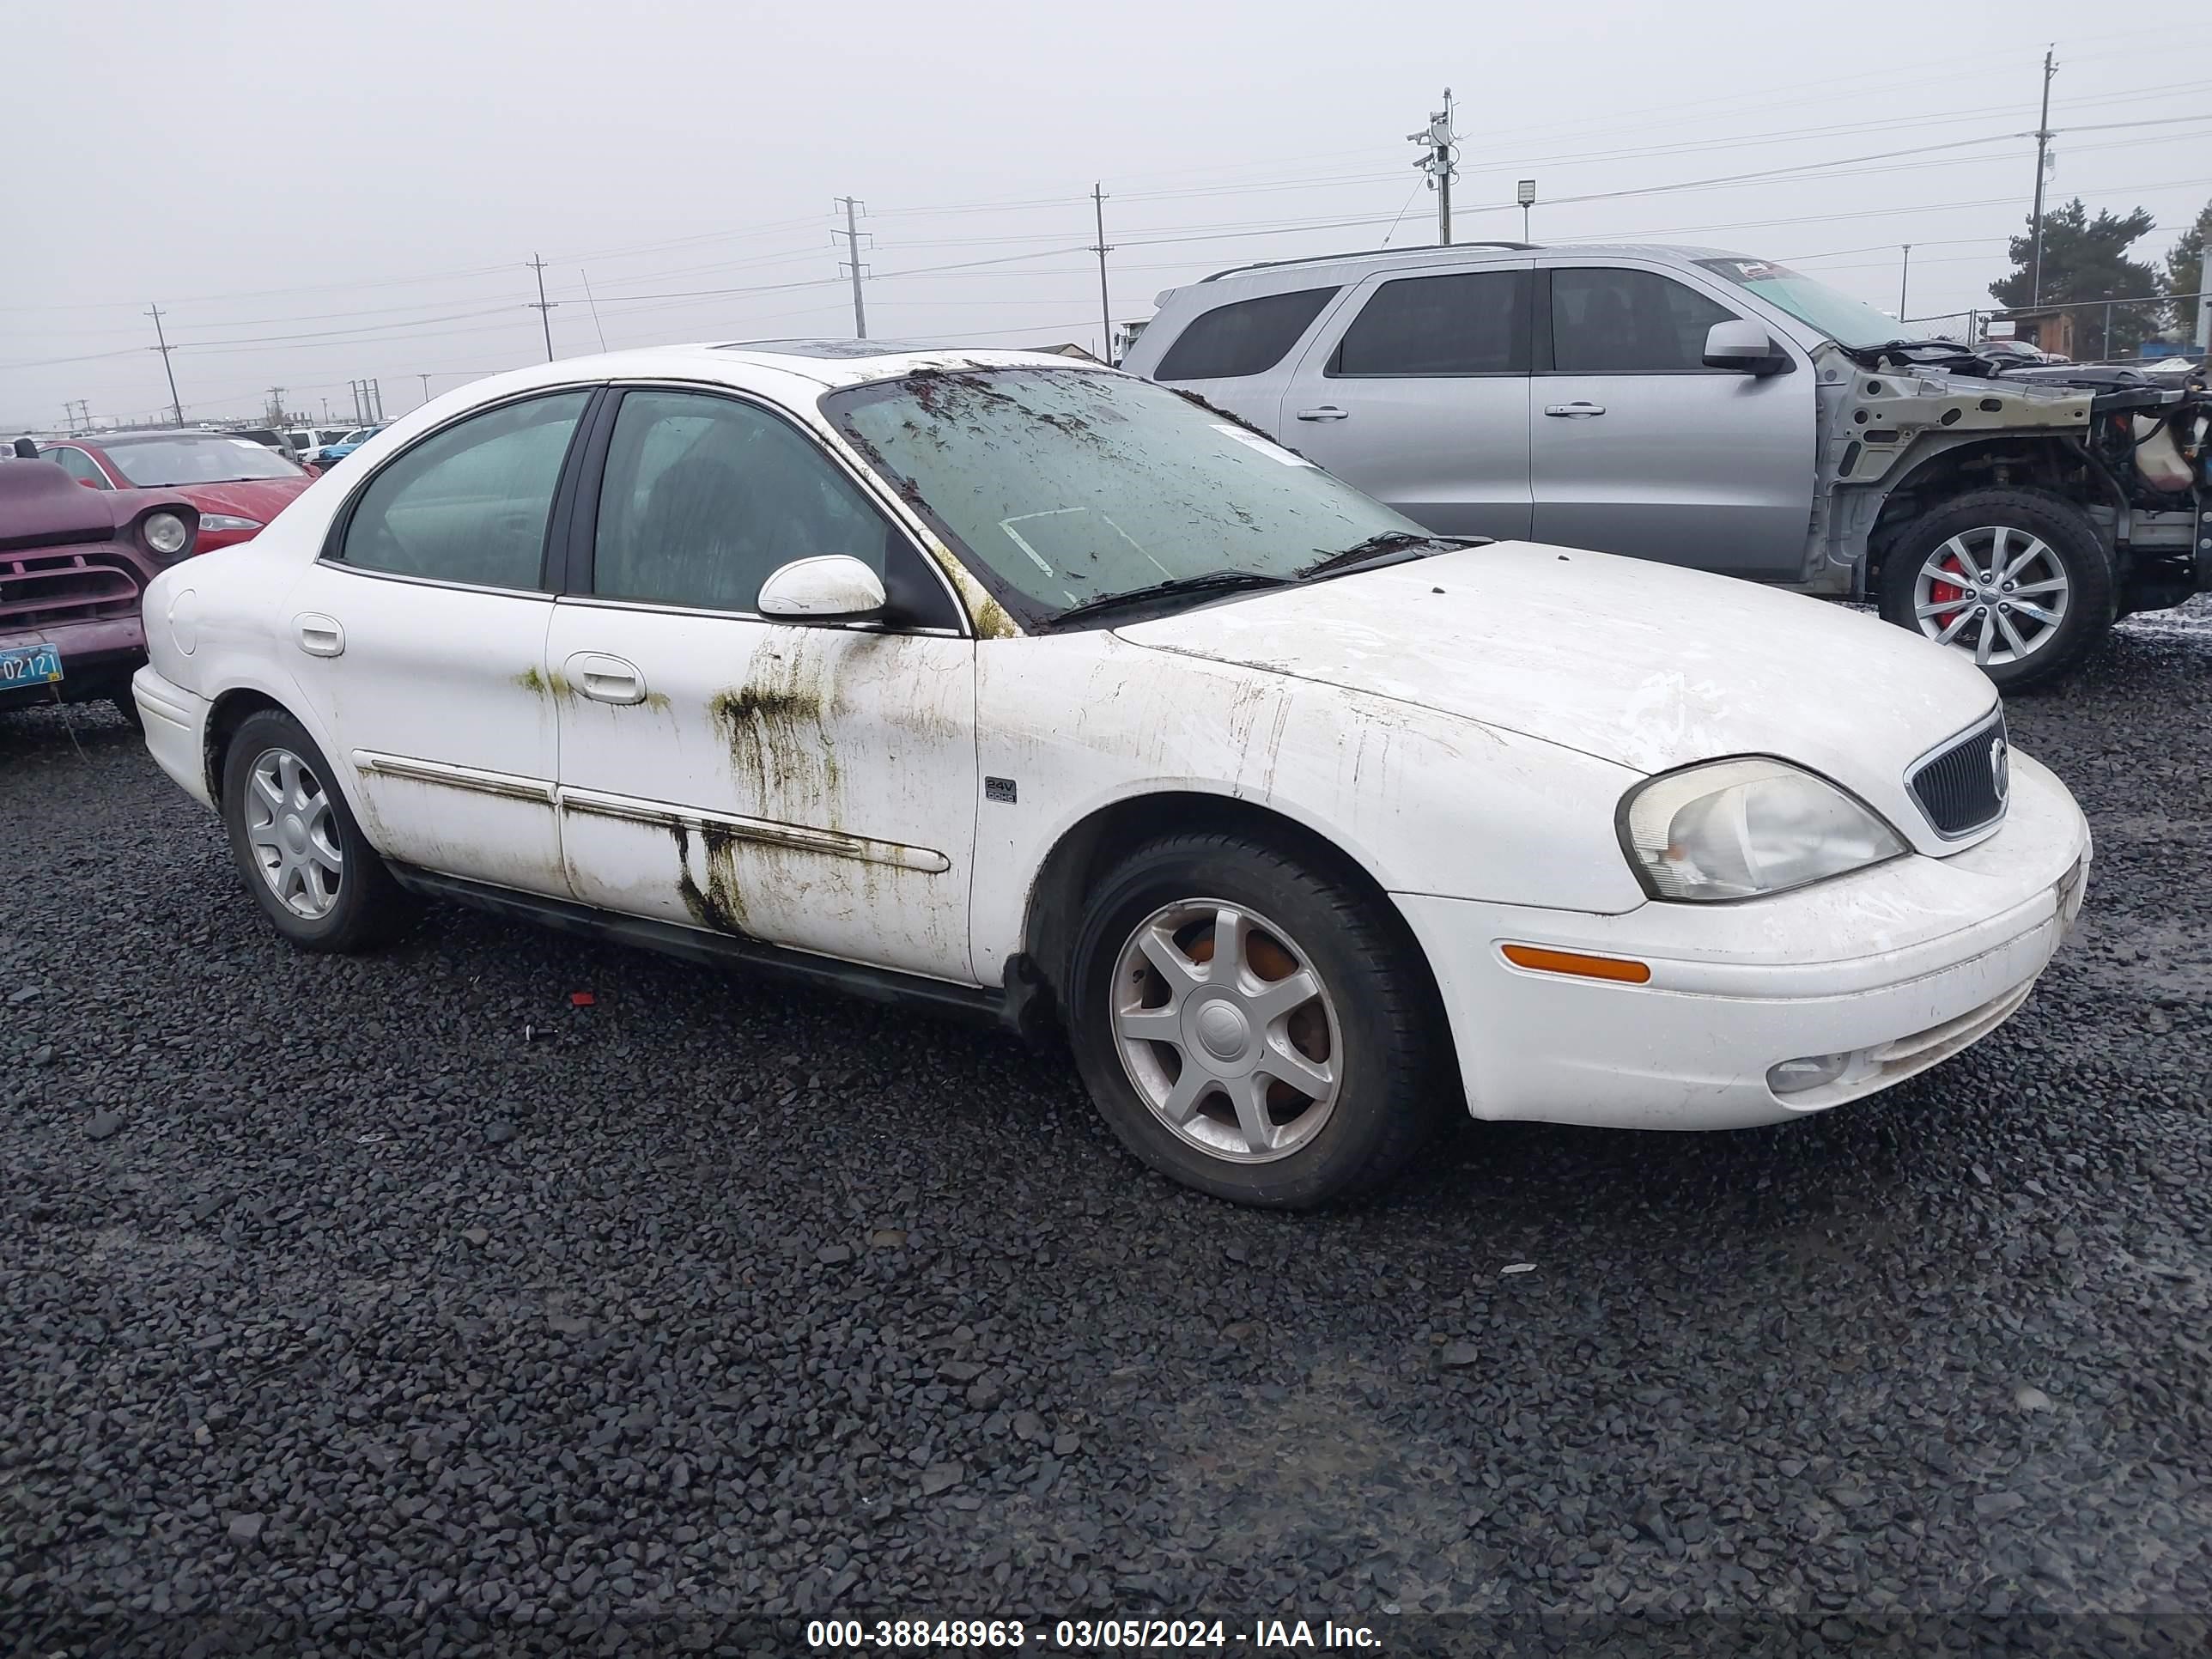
(1416, 390)
(418, 639)
(1238, 357)
(1636, 447)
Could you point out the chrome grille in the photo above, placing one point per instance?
(1963, 786)
(41, 590)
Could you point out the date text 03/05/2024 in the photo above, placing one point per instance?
(1087, 1635)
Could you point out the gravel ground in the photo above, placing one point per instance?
(370, 1306)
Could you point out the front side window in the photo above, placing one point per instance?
(80, 466)
(1062, 486)
(1247, 336)
(470, 502)
(706, 497)
(1607, 321)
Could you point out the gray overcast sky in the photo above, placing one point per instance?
(319, 193)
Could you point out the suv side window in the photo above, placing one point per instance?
(1609, 321)
(1468, 322)
(1246, 336)
(469, 503)
(705, 497)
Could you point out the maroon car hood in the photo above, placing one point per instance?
(39, 503)
(258, 499)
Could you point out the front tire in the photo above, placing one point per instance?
(1250, 1027)
(2015, 580)
(297, 845)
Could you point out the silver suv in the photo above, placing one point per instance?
(1705, 408)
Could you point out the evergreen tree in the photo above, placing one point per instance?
(2184, 271)
(2085, 260)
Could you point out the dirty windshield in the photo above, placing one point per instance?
(1846, 321)
(1061, 487)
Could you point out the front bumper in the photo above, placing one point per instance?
(1902, 965)
(98, 657)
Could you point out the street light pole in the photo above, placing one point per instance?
(1903, 280)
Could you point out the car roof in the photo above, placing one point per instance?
(784, 368)
(1314, 268)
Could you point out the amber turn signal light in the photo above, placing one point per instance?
(1573, 962)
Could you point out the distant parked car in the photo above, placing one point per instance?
(73, 565)
(1700, 408)
(267, 437)
(237, 484)
(346, 446)
(1014, 686)
(308, 442)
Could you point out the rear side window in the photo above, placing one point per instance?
(1629, 322)
(1247, 336)
(469, 503)
(1471, 322)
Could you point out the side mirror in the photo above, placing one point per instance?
(835, 587)
(1745, 348)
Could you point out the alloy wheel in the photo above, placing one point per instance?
(1227, 1031)
(1998, 591)
(292, 833)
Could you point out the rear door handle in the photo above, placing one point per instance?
(606, 679)
(1326, 412)
(319, 636)
(1575, 412)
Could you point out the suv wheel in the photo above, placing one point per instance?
(2015, 579)
(1249, 1027)
(297, 845)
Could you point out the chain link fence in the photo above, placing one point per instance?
(2139, 328)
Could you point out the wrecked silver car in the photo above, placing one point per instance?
(1705, 408)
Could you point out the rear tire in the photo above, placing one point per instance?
(297, 845)
(1945, 578)
(1205, 1057)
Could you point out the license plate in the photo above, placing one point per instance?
(29, 665)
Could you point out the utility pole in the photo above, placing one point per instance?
(1102, 248)
(852, 261)
(425, 379)
(2042, 166)
(326, 411)
(275, 405)
(176, 408)
(1904, 278)
(1440, 161)
(543, 307)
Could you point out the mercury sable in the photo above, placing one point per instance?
(1028, 690)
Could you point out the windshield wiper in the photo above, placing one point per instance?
(1391, 547)
(1212, 581)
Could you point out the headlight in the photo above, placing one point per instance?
(165, 533)
(227, 521)
(1737, 828)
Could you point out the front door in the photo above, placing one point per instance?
(419, 642)
(813, 788)
(1416, 391)
(1639, 448)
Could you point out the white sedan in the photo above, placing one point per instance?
(1023, 689)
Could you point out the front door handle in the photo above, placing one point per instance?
(319, 636)
(1326, 412)
(1575, 412)
(606, 679)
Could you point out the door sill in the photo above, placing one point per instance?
(974, 1005)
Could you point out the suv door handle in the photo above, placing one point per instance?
(319, 636)
(1577, 410)
(606, 679)
(1326, 412)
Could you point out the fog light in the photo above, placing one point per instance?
(1795, 1077)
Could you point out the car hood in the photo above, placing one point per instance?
(258, 499)
(1647, 666)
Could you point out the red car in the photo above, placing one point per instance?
(237, 484)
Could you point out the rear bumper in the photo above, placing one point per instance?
(176, 731)
(97, 659)
(1855, 966)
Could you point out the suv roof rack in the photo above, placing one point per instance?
(1360, 254)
